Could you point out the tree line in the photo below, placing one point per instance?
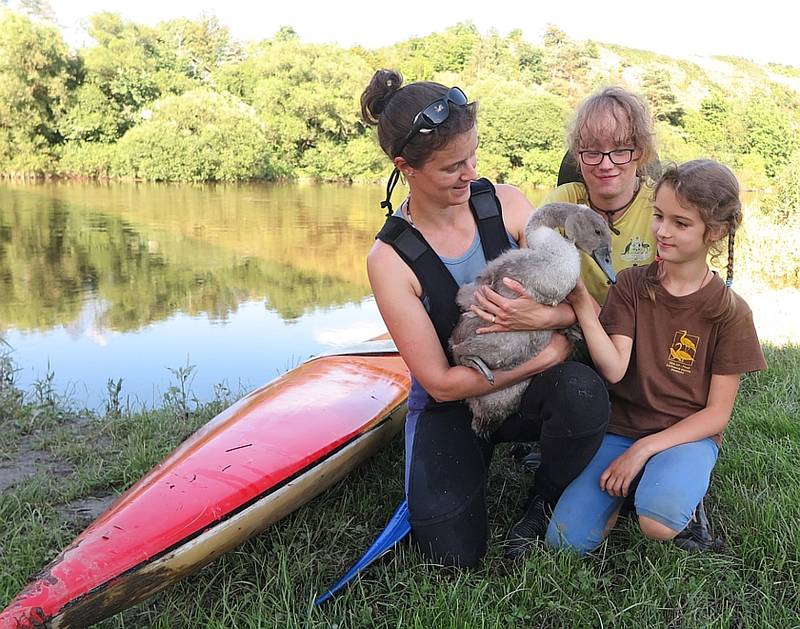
(184, 101)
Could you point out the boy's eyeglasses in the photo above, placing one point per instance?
(617, 157)
(433, 115)
(424, 122)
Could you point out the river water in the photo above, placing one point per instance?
(104, 281)
(135, 281)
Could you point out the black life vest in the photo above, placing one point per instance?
(437, 282)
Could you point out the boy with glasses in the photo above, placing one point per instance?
(612, 141)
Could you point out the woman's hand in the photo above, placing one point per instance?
(556, 351)
(617, 477)
(561, 348)
(504, 314)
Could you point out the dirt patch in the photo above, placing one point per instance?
(26, 462)
(84, 511)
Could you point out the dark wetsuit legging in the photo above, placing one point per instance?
(566, 408)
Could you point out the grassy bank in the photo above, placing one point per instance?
(59, 464)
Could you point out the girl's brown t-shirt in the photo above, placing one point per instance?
(676, 350)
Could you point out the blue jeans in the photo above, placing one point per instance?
(672, 484)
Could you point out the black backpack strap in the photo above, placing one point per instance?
(569, 171)
(437, 283)
(488, 215)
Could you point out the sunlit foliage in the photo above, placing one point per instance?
(183, 101)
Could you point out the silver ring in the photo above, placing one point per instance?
(494, 318)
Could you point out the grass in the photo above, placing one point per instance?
(271, 580)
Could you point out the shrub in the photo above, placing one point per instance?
(783, 204)
(87, 159)
(521, 130)
(197, 136)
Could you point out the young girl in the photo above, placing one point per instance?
(673, 339)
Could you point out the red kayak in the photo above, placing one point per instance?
(248, 467)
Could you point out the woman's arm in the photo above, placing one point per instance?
(711, 420)
(610, 354)
(397, 293)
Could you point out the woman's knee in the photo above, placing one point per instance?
(580, 397)
(455, 539)
(581, 385)
(653, 529)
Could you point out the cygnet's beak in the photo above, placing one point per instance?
(602, 256)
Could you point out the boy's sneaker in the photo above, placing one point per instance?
(697, 537)
(530, 527)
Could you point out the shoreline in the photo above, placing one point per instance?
(774, 312)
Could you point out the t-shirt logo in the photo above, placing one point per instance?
(636, 250)
(682, 352)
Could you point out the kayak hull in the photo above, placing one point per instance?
(246, 469)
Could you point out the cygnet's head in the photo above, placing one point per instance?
(591, 234)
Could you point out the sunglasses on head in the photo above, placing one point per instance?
(432, 116)
(424, 122)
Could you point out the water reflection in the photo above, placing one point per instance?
(125, 280)
(149, 251)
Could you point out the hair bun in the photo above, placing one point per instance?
(383, 85)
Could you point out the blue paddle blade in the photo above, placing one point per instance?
(396, 529)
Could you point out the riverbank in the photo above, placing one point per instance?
(60, 465)
(775, 312)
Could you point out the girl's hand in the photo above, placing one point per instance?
(582, 302)
(579, 294)
(617, 477)
(504, 314)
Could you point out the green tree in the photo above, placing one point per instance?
(566, 63)
(783, 204)
(715, 127)
(124, 67)
(768, 132)
(522, 132)
(493, 55)
(448, 51)
(36, 73)
(530, 60)
(197, 136)
(195, 48)
(657, 88)
(92, 116)
(307, 96)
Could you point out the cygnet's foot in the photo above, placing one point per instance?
(477, 363)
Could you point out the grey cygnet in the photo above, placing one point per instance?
(548, 269)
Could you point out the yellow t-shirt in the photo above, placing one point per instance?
(634, 246)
